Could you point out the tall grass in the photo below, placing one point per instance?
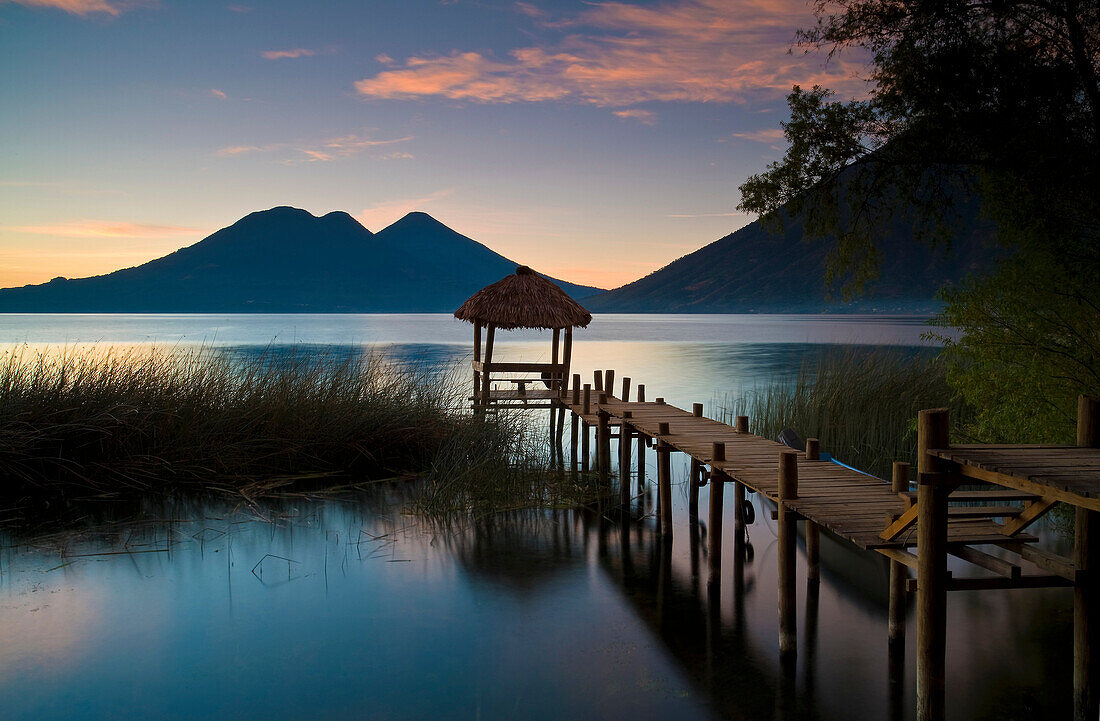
(861, 403)
(104, 420)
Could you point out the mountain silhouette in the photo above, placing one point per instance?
(754, 270)
(287, 260)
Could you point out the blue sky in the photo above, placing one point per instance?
(595, 141)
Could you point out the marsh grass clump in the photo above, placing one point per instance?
(503, 467)
(861, 403)
(106, 420)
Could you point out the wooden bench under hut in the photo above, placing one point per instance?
(523, 300)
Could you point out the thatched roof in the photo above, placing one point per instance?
(524, 300)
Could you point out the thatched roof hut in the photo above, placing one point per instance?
(524, 300)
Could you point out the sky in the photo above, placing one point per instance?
(594, 141)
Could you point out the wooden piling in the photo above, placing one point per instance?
(742, 424)
(603, 464)
(899, 574)
(641, 446)
(788, 490)
(813, 532)
(624, 459)
(609, 382)
(695, 475)
(626, 388)
(586, 449)
(664, 484)
(597, 381)
(933, 431)
(1086, 593)
(574, 423)
(714, 527)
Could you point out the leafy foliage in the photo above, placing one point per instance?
(997, 99)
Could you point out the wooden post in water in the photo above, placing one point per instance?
(586, 452)
(624, 459)
(626, 389)
(609, 382)
(788, 490)
(574, 421)
(813, 533)
(641, 445)
(603, 441)
(898, 572)
(695, 475)
(714, 528)
(933, 431)
(597, 381)
(1086, 593)
(742, 424)
(664, 481)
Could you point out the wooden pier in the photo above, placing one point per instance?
(917, 530)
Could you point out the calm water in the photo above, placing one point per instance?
(351, 609)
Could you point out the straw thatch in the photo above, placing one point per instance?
(524, 300)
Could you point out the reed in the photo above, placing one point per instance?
(106, 420)
(861, 403)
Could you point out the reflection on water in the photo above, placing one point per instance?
(349, 608)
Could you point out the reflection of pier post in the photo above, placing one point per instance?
(664, 579)
(932, 432)
(788, 490)
(1086, 593)
(809, 670)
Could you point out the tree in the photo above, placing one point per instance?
(993, 99)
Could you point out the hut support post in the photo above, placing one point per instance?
(477, 374)
(486, 382)
(788, 490)
(566, 359)
(933, 431)
(1086, 593)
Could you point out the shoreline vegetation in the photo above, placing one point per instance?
(102, 423)
(861, 404)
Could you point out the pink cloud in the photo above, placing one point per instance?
(344, 146)
(618, 54)
(104, 229)
(771, 135)
(79, 7)
(295, 53)
(219, 94)
(642, 116)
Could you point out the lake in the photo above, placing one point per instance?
(350, 608)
